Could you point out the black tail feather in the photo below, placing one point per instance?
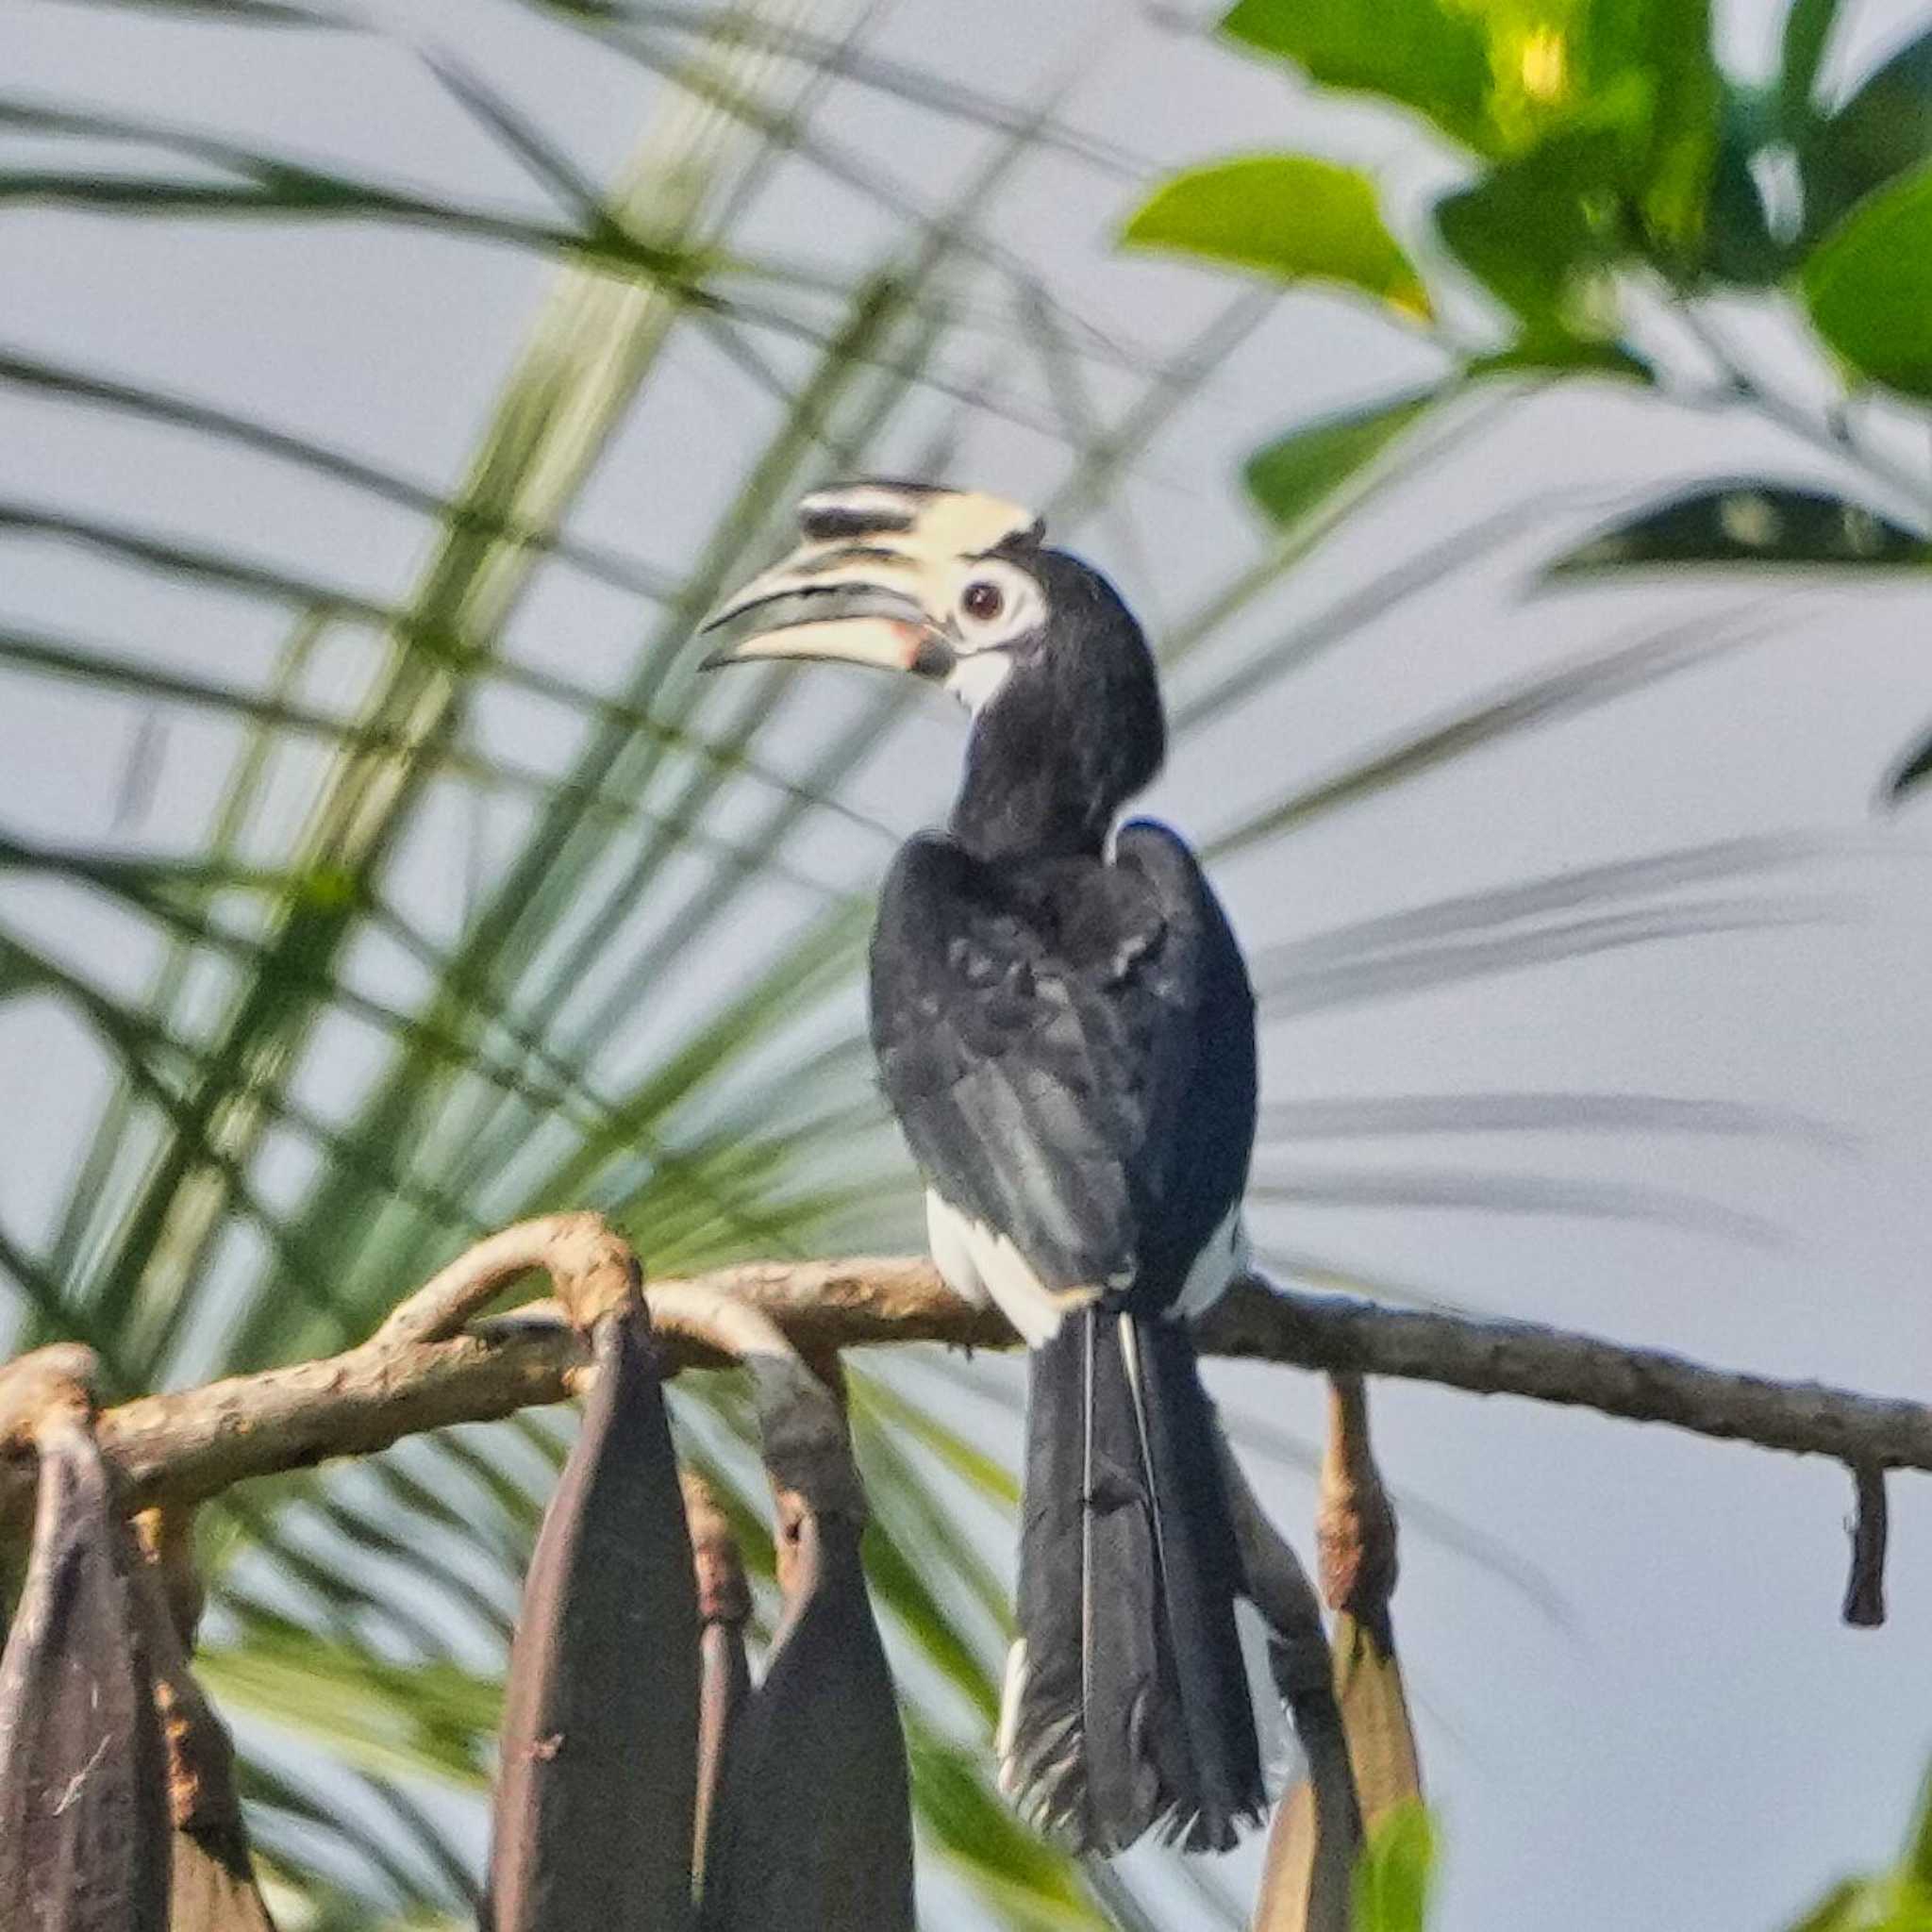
(1127, 1701)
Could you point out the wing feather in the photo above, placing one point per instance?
(1069, 1047)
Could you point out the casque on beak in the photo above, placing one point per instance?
(850, 603)
(872, 583)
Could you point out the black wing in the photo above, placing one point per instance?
(1070, 1048)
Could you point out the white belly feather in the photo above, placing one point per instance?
(984, 1266)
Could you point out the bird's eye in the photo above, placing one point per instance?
(983, 600)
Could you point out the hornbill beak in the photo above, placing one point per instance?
(872, 583)
(853, 622)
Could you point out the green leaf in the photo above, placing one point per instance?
(1660, 50)
(1896, 1901)
(1918, 1859)
(1806, 34)
(1883, 131)
(1292, 476)
(1392, 1879)
(1740, 244)
(1611, 155)
(1534, 230)
(408, 1720)
(1503, 78)
(1545, 354)
(1418, 53)
(1285, 215)
(1750, 521)
(1867, 286)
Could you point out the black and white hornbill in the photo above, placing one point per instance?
(1065, 1029)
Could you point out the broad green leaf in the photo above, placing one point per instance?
(1883, 131)
(1418, 53)
(1392, 1877)
(1502, 78)
(1867, 286)
(1538, 230)
(1750, 521)
(1542, 353)
(1659, 51)
(1290, 216)
(1611, 157)
(1292, 476)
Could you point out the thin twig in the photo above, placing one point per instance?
(1865, 1590)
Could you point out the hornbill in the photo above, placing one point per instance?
(1065, 1031)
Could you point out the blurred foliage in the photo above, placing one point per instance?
(1395, 1872)
(1615, 174)
(1899, 1900)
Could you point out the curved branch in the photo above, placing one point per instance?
(183, 1448)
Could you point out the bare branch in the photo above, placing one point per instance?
(1344, 1336)
(591, 1269)
(183, 1448)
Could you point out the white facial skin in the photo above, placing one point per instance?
(996, 602)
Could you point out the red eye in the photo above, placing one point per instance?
(983, 601)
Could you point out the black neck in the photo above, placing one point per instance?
(1073, 732)
(1026, 792)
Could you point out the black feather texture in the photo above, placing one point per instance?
(1069, 1045)
(1126, 1698)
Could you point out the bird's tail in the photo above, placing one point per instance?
(1126, 1699)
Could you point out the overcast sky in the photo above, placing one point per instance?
(1701, 1743)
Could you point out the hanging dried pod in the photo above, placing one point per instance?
(1352, 1713)
(84, 1819)
(1356, 1537)
(1307, 1877)
(213, 1887)
(723, 1671)
(593, 1825)
(812, 1830)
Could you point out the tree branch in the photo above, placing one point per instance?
(414, 1374)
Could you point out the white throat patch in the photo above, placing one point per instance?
(977, 676)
